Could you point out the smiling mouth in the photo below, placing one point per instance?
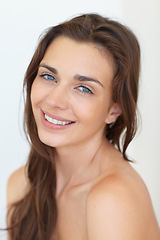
(56, 122)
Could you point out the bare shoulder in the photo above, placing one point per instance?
(119, 207)
(17, 185)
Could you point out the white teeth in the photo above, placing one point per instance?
(54, 121)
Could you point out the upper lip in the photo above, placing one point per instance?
(59, 118)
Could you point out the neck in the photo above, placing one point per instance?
(78, 165)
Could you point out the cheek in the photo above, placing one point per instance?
(36, 98)
(93, 111)
(36, 93)
(33, 92)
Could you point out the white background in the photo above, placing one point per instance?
(21, 23)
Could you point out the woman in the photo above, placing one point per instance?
(80, 116)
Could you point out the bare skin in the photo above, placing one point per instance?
(99, 195)
(111, 203)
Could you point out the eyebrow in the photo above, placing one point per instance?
(88, 79)
(76, 77)
(51, 69)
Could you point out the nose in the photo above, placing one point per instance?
(58, 97)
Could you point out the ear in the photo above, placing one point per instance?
(113, 113)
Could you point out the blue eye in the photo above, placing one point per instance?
(48, 77)
(85, 89)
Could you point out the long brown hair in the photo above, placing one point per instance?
(34, 217)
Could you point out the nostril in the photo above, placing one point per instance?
(57, 99)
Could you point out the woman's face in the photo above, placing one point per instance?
(71, 95)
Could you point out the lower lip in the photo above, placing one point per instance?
(52, 125)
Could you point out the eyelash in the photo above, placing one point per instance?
(80, 88)
(85, 92)
(47, 76)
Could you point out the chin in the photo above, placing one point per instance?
(50, 141)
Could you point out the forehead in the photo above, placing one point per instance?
(67, 54)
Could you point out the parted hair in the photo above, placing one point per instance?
(34, 217)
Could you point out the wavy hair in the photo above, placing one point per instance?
(34, 217)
